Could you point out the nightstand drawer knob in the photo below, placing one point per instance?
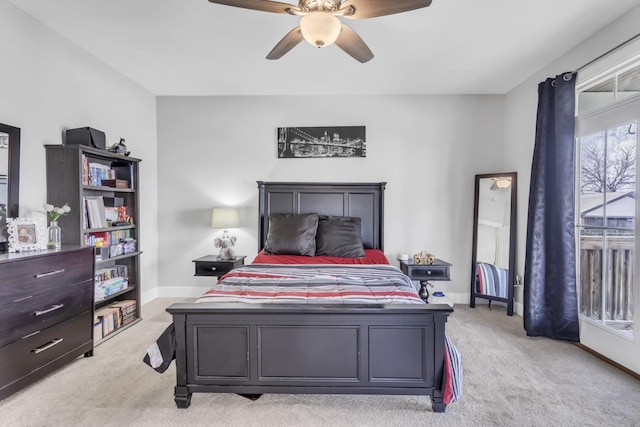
(428, 272)
(213, 269)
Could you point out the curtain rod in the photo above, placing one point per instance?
(609, 52)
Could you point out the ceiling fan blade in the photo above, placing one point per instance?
(262, 5)
(351, 43)
(372, 8)
(287, 43)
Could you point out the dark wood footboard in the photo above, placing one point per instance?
(323, 349)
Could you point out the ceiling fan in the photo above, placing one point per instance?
(320, 25)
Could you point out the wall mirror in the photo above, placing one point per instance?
(494, 237)
(9, 178)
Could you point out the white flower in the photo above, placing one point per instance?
(54, 212)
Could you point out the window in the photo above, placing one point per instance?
(607, 138)
(613, 87)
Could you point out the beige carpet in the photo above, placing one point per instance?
(509, 380)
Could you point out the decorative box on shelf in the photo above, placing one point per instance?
(117, 183)
(116, 250)
(129, 246)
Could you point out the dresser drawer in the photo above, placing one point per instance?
(28, 277)
(29, 354)
(43, 310)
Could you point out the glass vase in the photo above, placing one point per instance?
(54, 234)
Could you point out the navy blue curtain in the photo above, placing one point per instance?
(550, 296)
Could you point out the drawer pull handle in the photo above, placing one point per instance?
(23, 298)
(50, 273)
(48, 310)
(428, 272)
(30, 335)
(213, 269)
(48, 345)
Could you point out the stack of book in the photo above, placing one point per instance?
(110, 281)
(113, 317)
(127, 311)
(106, 321)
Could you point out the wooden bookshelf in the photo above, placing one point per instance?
(72, 177)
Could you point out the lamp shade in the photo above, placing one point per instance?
(225, 218)
(320, 28)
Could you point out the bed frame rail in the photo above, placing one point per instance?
(301, 348)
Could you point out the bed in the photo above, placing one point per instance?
(291, 345)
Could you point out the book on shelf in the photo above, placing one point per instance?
(99, 172)
(85, 170)
(111, 213)
(95, 212)
(97, 239)
(110, 280)
(128, 310)
(97, 328)
(110, 319)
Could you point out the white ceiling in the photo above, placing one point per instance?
(193, 47)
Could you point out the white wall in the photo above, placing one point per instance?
(212, 150)
(48, 84)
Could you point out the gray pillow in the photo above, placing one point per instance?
(291, 234)
(339, 236)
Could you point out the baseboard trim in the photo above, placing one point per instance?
(609, 361)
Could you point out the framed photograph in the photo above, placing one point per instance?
(26, 234)
(329, 141)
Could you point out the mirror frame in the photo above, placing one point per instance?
(512, 242)
(13, 174)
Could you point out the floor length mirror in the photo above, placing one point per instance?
(9, 176)
(494, 238)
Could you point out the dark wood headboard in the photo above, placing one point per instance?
(364, 200)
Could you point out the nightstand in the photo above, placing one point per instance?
(210, 265)
(425, 273)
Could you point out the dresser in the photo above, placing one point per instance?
(46, 313)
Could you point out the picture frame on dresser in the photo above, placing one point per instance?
(26, 234)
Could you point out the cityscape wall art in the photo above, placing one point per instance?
(329, 141)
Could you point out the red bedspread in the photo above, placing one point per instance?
(372, 256)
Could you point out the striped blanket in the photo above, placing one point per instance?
(314, 284)
(492, 280)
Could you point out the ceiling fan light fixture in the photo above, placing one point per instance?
(320, 29)
(503, 183)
